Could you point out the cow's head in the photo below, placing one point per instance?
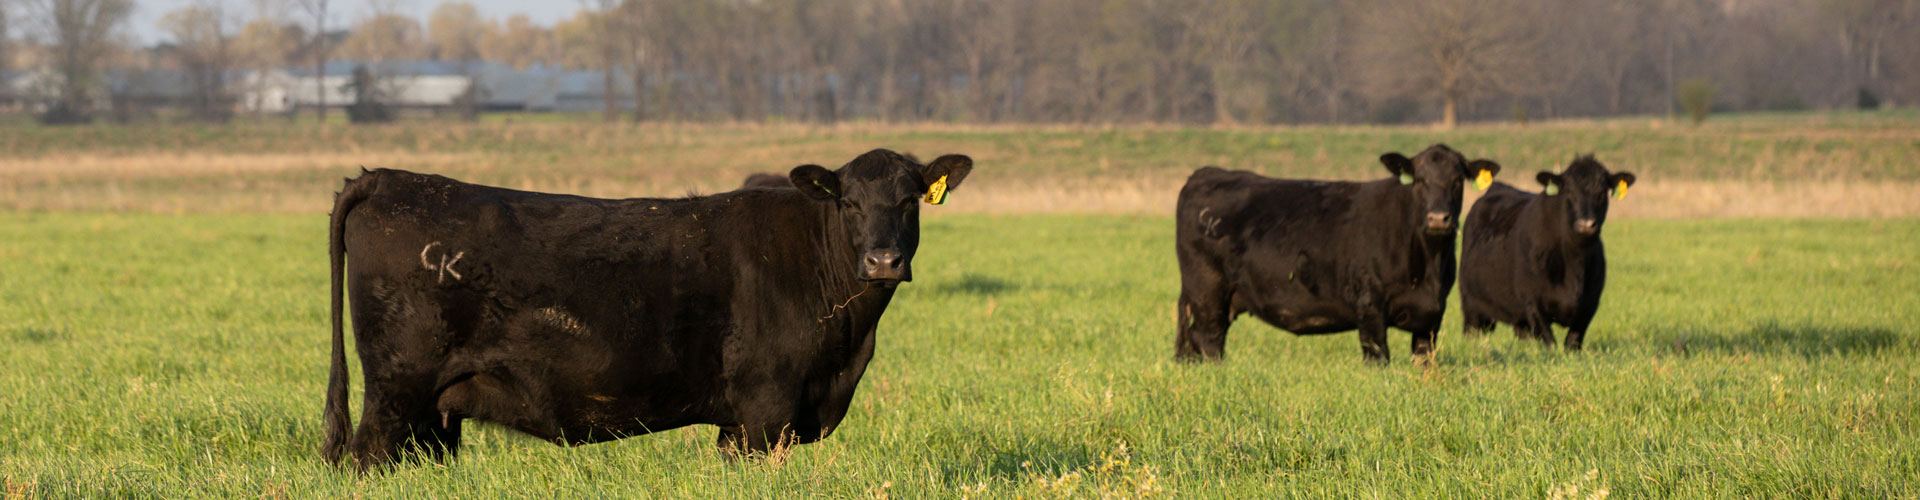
(878, 195)
(1580, 193)
(1436, 177)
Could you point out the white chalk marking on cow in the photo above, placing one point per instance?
(445, 267)
(423, 256)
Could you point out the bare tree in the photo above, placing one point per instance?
(318, 48)
(265, 43)
(82, 34)
(588, 41)
(203, 35)
(519, 43)
(454, 31)
(6, 49)
(1451, 49)
(385, 37)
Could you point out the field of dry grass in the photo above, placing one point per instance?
(1839, 165)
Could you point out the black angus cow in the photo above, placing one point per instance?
(1314, 257)
(581, 320)
(767, 181)
(1534, 260)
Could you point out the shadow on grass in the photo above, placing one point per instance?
(975, 284)
(1016, 461)
(1774, 338)
(35, 335)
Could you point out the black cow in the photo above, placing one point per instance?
(581, 320)
(1534, 260)
(766, 180)
(1314, 257)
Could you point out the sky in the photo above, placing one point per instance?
(147, 13)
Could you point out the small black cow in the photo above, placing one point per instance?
(1314, 257)
(581, 320)
(1535, 260)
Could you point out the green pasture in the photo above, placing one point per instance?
(185, 356)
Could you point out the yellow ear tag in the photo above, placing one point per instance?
(1483, 180)
(1620, 191)
(937, 193)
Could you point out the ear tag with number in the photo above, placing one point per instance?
(1406, 178)
(1483, 180)
(937, 193)
(1553, 189)
(1620, 191)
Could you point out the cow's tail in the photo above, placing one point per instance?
(336, 418)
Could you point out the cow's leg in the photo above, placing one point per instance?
(1536, 328)
(748, 441)
(1474, 322)
(1373, 332)
(1423, 342)
(384, 428)
(765, 410)
(1204, 316)
(1577, 331)
(399, 418)
(438, 437)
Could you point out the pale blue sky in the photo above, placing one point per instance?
(147, 13)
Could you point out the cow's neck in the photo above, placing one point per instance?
(853, 302)
(1412, 225)
(1556, 229)
(850, 317)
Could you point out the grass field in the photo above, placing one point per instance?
(163, 320)
(184, 355)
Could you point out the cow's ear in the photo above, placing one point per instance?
(816, 182)
(1397, 164)
(1482, 172)
(1620, 182)
(1550, 180)
(944, 174)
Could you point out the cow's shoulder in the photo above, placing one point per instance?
(1497, 212)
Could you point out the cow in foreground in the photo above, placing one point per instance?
(580, 320)
(1535, 260)
(1314, 257)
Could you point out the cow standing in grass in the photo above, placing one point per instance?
(580, 320)
(1314, 257)
(1532, 261)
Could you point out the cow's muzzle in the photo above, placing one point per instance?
(1586, 227)
(884, 265)
(1439, 223)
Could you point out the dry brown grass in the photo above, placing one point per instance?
(286, 183)
(1740, 169)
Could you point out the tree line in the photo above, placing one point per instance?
(1061, 61)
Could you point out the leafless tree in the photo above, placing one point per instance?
(82, 33)
(1454, 50)
(319, 48)
(519, 43)
(267, 42)
(202, 36)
